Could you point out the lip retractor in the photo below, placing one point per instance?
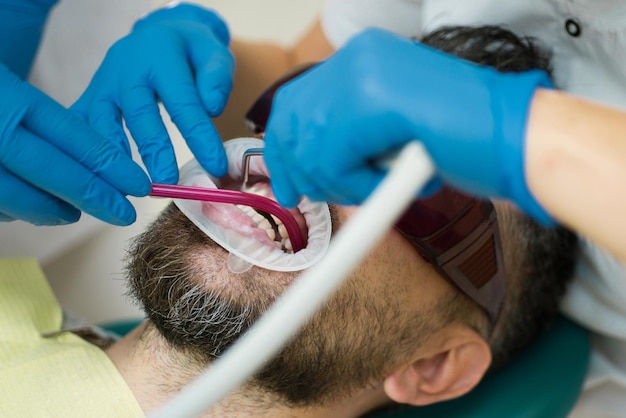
(225, 223)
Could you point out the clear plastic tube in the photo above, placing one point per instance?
(240, 198)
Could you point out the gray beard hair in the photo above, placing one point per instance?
(177, 274)
(213, 318)
(190, 315)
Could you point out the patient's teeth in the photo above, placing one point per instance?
(280, 237)
(264, 224)
(252, 189)
(247, 210)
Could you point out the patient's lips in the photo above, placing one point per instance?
(248, 222)
(244, 233)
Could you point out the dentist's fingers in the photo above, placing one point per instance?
(352, 189)
(106, 118)
(30, 158)
(276, 155)
(21, 200)
(144, 122)
(181, 100)
(168, 56)
(346, 184)
(214, 72)
(71, 134)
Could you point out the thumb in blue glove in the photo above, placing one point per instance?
(178, 55)
(328, 127)
(53, 165)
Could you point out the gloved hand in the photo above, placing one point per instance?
(52, 164)
(178, 55)
(21, 26)
(380, 91)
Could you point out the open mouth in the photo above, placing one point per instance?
(248, 221)
(273, 227)
(254, 236)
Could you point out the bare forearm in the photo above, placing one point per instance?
(258, 66)
(576, 165)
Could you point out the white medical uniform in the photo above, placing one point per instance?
(588, 42)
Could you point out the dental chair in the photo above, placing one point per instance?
(542, 382)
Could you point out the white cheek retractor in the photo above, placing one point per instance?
(245, 250)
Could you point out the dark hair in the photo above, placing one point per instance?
(539, 260)
(492, 46)
(543, 261)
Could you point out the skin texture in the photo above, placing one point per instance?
(576, 165)
(258, 66)
(324, 357)
(396, 331)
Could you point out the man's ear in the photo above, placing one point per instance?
(457, 363)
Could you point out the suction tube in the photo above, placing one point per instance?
(409, 173)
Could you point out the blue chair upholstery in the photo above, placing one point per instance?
(121, 327)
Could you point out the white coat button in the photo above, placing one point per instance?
(572, 27)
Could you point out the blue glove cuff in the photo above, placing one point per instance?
(515, 93)
(186, 12)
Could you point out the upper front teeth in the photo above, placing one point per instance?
(256, 190)
(282, 241)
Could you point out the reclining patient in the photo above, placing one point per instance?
(396, 332)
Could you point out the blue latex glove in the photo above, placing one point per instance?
(52, 164)
(380, 91)
(21, 26)
(178, 55)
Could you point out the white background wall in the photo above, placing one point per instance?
(83, 262)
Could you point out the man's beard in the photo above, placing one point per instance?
(175, 271)
(181, 278)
